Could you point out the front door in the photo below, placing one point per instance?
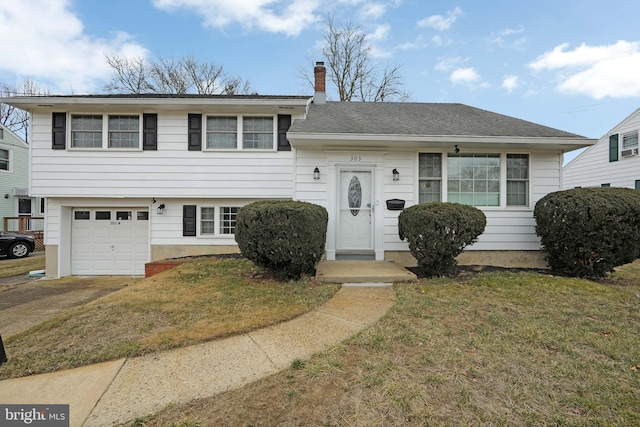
(355, 225)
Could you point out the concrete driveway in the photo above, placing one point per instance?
(25, 302)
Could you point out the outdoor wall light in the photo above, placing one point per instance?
(161, 209)
(456, 149)
(396, 175)
(6, 196)
(316, 173)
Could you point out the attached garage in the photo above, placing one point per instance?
(109, 241)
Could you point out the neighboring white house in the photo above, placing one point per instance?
(135, 178)
(14, 179)
(614, 161)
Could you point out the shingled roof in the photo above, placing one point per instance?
(428, 119)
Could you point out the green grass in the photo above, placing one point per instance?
(501, 348)
(17, 267)
(205, 299)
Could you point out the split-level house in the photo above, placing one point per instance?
(130, 179)
(15, 199)
(614, 161)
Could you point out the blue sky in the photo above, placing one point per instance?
(569, 64)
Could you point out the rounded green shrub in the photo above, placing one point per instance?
(587, 232)
(283, 236)
(438, 232)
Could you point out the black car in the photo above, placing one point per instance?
(15, 245)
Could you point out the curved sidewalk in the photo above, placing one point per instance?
(115, 392)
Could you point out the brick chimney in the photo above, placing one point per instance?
(320, 74)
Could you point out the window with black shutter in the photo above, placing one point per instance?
(195, 132)
(613, 148)
(189, 220)
(149, 131)
(59, 131)
(284, 123)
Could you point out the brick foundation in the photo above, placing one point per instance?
(153, 268)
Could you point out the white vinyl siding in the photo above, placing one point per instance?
(171, 170)
(592, 167)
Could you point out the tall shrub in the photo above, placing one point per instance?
(284, 236)
(438, 232)
(589, 231)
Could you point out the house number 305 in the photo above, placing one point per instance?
(356, 158)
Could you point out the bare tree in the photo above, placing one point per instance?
(15, 119)
(172, 76)
(352, 68)
(130, 75)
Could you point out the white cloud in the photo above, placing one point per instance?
(447, 64)
(44, 40)
(505, 38)
(467, 76)
(286, 16)
(440, 22)
(381, 33)
(510, 83)
(596, 71)
(373, 11)
(464, 76)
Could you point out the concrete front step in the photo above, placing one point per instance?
(353, 271)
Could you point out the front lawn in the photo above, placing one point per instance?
(202, 300)
(494, 348)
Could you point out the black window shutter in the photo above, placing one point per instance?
(284, 123)
(59, 131)
(189, 220)
(149, 131)
(613, 148)
(195, 132)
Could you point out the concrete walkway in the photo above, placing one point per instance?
(116, 392)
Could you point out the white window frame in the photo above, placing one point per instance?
(240, 132)
(503, 178)
(629, 136)
(217, 221)
(105, 132)
(9, 160)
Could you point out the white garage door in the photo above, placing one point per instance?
(109, 241)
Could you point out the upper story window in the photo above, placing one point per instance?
(630, 140)
(89, 131)
(240, 132)
(222, 132)
(124, 131)
(257, 132)
(86, 131)
(4, 160)
(474, 179)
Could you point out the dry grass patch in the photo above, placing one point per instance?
(204, 299)
(498, 348)
(17, 267)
